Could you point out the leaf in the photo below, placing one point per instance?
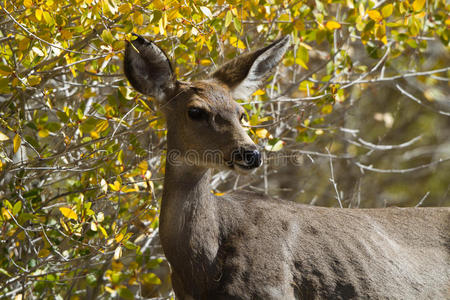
(228, 18)
(116, 186)
(38, 13)
(107, 37)
(68, 213)
(151, 278)
(28, 3)
(38, 51)
(375, 15)
(48, 18)
(125, 8)
(277, 146)
(327, 109)
(16, 142)
(206, 12)
(118, 253)
(259, 92)
(418, 5)
(236, 43)
(34, 79)
(332, 25)
(262, 133)
(105, 234)
(17, 207)
(387, 10)
(302, 57)
(3, 137)
(43, 253)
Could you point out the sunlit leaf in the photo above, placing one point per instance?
(387, 10)
(16, 142)
(206, 11)
(418, 5)
(236, 43)
(68, 213)
(3, 137)
(375, 15)
(332, 25)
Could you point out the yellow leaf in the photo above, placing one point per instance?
(259, 92)
(205, 62)
(332, 25)
(375, 15)
(43, 133)
(102, 230)
(138, 18)
(38, 14)
(43, 253)
(119, 237)
(236, 43)
(28, 3)
(5, 214)
(319, 132)
(418, 5)
(116, 186)
(327, 109)
(127, 189)
(262, 133)
(299, 25)
(34, 80)
(66, 34)
(48, 18)
(3, 137)
(125, 8)
(387, 10)
(143, 166)
(16, 142)
(68, 213)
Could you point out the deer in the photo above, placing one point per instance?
(246, 245)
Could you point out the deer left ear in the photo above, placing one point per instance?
(148, 69)
(246, 73)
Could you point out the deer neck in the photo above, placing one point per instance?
(188, 226)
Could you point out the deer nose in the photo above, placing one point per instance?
(252, 158)
(248, 158)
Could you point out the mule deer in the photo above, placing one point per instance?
(247, 246)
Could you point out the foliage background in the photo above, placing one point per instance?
(357, 115)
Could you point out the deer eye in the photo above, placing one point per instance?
(196, 113)
(243, 118)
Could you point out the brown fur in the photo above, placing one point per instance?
(247, 246)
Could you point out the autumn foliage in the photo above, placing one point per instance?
(356, 115)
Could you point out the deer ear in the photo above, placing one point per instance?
(245, 73)
(148, 69)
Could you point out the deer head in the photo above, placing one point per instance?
(204, 122)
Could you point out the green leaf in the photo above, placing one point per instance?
(228, 18)
(107, 36)
(17, 207)
(387, 10)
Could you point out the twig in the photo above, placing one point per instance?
(333, 181)
(420, 102)
(400, 171)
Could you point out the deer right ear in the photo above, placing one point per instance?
(246, 73)
(148, 69)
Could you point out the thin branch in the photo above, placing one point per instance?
(445, 113)
(401, 171)
(389, 147)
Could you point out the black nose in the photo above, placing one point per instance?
(250, 158)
